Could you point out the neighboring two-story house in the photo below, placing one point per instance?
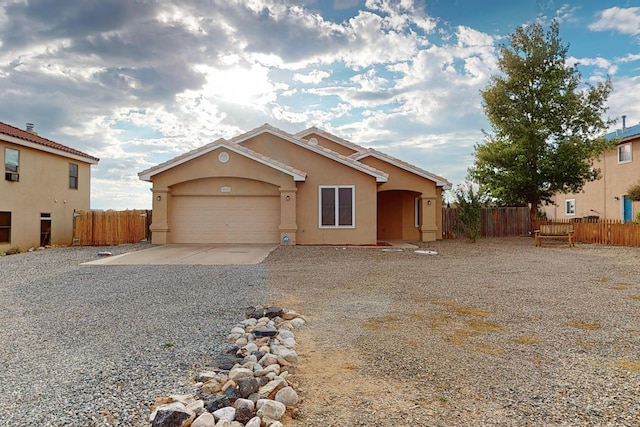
(606, 197)
(43, 183)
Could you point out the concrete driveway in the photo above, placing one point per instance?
(191, 254)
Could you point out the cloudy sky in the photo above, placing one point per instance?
(137, 82)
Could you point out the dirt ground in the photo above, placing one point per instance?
(494, 333)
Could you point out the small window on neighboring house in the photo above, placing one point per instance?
(418, 210)
(624, 153)
(11, 164)
(570, 207)
(337, 206)
(5, 227)
(73, 175)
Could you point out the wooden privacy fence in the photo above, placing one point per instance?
(606, 232)
(494, 222)
(106, 228)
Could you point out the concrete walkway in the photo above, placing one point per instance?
(191, 254)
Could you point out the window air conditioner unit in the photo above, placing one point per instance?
(12, 176)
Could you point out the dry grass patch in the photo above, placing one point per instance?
(635, 297)
(620, 286)
(460, 336)
(526, 339)
(483, 326)
(629, 365)
(447, 303)
(602, 280)
(463, 310)
(587, 326)
(378, 322)
(471, 311)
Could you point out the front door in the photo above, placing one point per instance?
(45, 229)
(627, 209)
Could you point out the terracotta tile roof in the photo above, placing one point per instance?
(15, 132)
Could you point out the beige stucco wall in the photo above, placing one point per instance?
(43, 188)
(598, 198)
(321, 170)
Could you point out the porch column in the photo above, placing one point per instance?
(288, 220)
(160, 226)
(428, 227)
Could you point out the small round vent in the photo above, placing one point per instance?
(223, 157)
(313, 141)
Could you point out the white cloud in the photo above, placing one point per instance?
(313, 77)
(602, 63)
(566, 13)
(623, 20)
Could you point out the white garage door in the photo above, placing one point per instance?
(231, 219)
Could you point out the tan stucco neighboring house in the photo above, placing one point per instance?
(43, 183)
(270, 186)
(606, 198)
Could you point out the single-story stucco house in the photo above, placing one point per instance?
(270, 186)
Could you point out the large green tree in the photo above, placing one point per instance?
(547, 126)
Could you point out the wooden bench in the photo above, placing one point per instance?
(554, 231)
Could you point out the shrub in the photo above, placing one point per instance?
(469, 203)
(633, 192)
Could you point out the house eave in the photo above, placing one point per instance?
(22, 142)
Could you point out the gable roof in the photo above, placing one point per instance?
(370, 152)
(32, 140)
(362, 152)
(297, 174)
(331, 137)
(380, 176)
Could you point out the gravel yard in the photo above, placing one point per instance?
(494, 333)
(95, 345)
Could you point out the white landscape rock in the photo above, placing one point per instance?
(249, 386)
(227, 413)
(206, 419)
(270, 409)
(287, 396)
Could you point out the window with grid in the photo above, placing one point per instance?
(73, 175)
(624, 153)
(337, 206)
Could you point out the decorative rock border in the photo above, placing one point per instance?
(248, 387)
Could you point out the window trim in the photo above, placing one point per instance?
(570, 203)
(336, 224)
(630, 153)
(74, 176)
(6, 227)
(417, 210)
